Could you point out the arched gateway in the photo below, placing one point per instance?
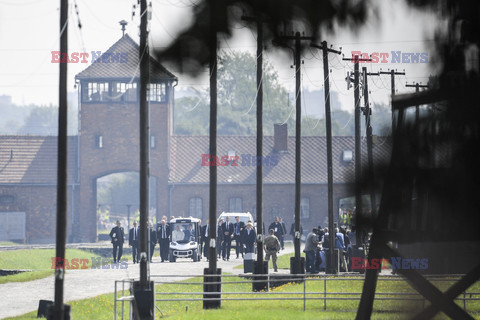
(109, 126)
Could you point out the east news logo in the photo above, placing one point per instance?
(396, 263)
(97, 263)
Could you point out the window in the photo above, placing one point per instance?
(6, 199)
(157, 92)
(99, 141)
(95, 91)
(196, 207)
(305, 208)
(235, 205)
(122, 91)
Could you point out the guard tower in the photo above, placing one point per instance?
(109, 126)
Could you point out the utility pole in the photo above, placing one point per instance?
(392, 74)
(368, 124)
(59, 310)
(144, 295)
(260, 267)
(358, 147)
(417, 87)
(144, 57)
(212, 270)
(331, 268)
(297, 263)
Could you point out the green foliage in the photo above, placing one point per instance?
(117, 190)
(381, 120)
(101, 307)
(237, 92)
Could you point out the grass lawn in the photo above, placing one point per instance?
(37, 260)
(283, 262)
(7, 243)
(101, 307)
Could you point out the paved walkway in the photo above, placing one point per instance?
(22, 297)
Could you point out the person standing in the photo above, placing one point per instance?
(227, 231)
(310, 247)
(248, 238)
(220, 237)
(190, 233)
(163, 234)
(133, 241)
(204, 239)
(152, 240)
(239, 226)
(272, 246)
(277, 229)
(284, 232)
(292, 229)
(118, 237)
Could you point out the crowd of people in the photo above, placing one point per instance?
(317, 246)
(243, 234)
(317, 242)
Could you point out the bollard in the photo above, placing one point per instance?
(260, 279)
(144, 301)
(215, 287)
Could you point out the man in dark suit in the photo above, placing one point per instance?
(238, 228)
(292, 230)
(227, 231)
(284, 232)
(133, 237)
(163, 237)
(118, 237)
(204, 239)
(277, 229)
(152, 240)
(220, 237)
(249, 237)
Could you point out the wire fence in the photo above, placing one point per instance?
(124, 289)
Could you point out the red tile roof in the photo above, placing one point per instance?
(127, 69)
(186, 159)
(33, 159)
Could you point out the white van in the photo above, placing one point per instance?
(244, 217)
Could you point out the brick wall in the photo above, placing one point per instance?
(39, 205)
(118, 124)
(277, 200)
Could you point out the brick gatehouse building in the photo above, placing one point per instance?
(108, 142)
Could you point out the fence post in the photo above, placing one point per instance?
(325, 292)
(304, 302)
(123, 301)
(115, 301)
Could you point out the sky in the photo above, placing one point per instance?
(29, 31)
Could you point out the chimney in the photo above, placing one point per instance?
(280, 137)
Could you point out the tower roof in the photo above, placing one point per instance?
(121, 61)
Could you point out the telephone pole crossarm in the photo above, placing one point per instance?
(314, 45)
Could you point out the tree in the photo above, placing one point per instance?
(236, 100)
